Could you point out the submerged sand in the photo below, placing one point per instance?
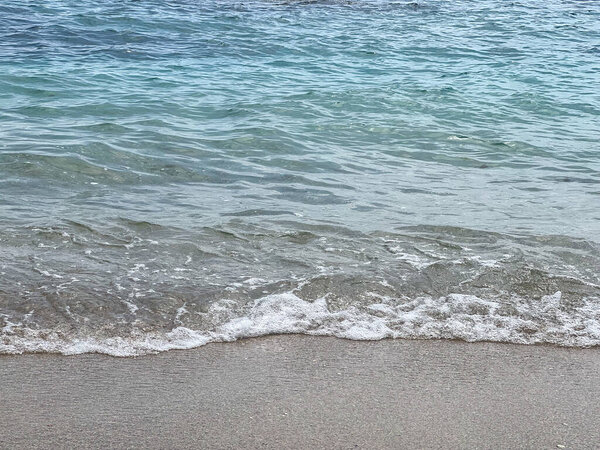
(306, 392)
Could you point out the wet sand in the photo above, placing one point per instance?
(306, 392)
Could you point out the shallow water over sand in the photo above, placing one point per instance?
(178, 173)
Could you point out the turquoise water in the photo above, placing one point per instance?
(175, 173)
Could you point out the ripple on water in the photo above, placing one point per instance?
(173, 174)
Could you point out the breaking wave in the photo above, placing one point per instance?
(456, 316)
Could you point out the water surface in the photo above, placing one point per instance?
(174, 173)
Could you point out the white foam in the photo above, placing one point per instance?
(455, 316)
(48, 274)
(255, 282)
(130, 305)
(180, 312)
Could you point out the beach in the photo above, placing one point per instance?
(318, 224)
(293, 391)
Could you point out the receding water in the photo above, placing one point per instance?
(179, 172)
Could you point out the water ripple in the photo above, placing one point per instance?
(173, 173)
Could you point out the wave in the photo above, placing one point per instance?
(126, 287)
(455, 316)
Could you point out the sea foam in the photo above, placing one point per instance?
(455, 316)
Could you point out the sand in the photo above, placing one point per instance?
(306, 392)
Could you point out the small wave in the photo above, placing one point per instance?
(455, 316)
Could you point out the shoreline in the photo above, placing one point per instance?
(296, 391)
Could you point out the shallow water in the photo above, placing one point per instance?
(175, 173)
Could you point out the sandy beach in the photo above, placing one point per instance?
(306, 392)
(318, 224)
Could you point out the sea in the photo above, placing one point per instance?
(175, 173)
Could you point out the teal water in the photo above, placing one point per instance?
(175, 173)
